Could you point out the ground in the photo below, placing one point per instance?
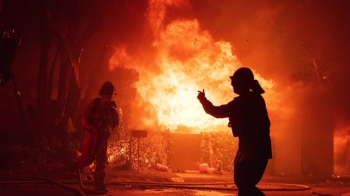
(63, 182)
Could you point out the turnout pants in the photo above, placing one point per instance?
(247, 174)
(94, 148)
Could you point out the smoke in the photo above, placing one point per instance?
(300, 46)
(185, 59)
(341, 148)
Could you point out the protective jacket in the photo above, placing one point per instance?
(98, 120)
(249, 121)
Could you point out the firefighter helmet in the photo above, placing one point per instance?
(107, 88)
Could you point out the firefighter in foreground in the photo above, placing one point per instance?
(100, 117)
(249, 121)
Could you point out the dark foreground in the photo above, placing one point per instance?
(150, 182)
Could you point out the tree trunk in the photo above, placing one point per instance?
(44, 96)
(73, 98)
(104, 57)
(23, 119)
(63, 83)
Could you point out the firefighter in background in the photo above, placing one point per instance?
(249, 121)
(100, 117)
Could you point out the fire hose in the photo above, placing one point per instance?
(38, 179)
(96, 136)
(201, 186)
(145, 185)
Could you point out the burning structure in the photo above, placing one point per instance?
(186, 58)
(167, 50)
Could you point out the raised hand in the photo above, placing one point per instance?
(201, 95)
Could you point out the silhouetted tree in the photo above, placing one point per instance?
(64, 28)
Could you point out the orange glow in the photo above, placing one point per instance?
(114, 152)
(157, 12)
(120, 56)
(188, 59)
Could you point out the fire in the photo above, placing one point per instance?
(188, 59)
(157, 11)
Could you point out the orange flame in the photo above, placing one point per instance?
(188, 60)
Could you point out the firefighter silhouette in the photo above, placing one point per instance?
(100, 117)
(249, 121)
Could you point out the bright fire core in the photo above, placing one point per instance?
(188, 59)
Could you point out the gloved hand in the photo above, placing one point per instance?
(201, 95)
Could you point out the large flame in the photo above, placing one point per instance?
(188, 59)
